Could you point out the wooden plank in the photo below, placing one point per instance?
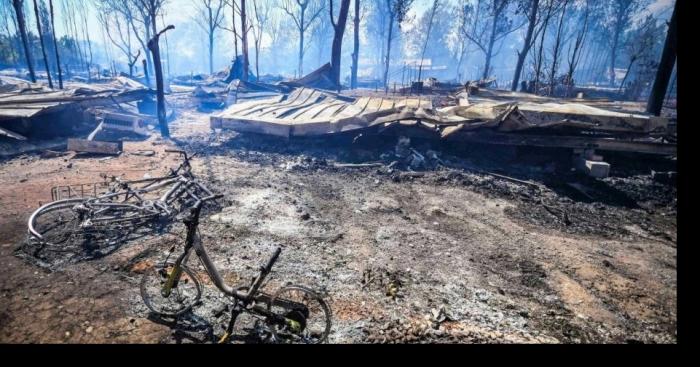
(100, 147)
(572, 142)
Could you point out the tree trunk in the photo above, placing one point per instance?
(427, 38)
(301, 42)
(388, 52)
(17, 4)
(233, 28)
(489, 52)
(555, 54)
(339, 32)
(55, 46)
(160, 87)
(211, 52)
(613, 51)
(41, 42)
(538, 64)
(627, 73)
(356, 47)
(244, 33)
(145, 72)
(663, 74)
(522, 55)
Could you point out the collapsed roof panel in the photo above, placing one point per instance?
(311, 112)
(20, 99)
(308, 112)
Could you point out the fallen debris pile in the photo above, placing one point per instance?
(320, 78)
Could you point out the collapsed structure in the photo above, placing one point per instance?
(311, 112)
(27, 108)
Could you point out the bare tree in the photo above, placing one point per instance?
(621, 13)
(356, 46)
(153, 8)
(642, 48)
(262, 17)
(70, 24)
(496, 26)
(550, 10)
(233, 29)
(83, 12)
(575, 48)
(556, 49)
(668, 59)
(527, 45)
(244, 41)
(41, 42)
(339, 31)
(111, 19)
(21, 24)
(397, 10)
(466, 19)
(433, 10)
(304, 13)
(210, 16)
(55, 46)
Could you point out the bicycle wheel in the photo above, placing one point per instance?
(56, 223)
(308, 316)
(183, 297)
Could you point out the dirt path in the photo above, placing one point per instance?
(463, 266)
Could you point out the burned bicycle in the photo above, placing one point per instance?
(124, 206)
(294, 314)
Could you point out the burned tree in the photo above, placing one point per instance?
(244, 41)
(22, 25)
(83, 13)
(433, 10)
(155, 49)
(262, 17)
(397, 10)
(663, 74)
(527, 45)
(495, 27)
(234, 12)
(621, 13)
(339, 31)
(55, 46)
(556, 48)
(575, 49)
(645, 37)
(110, 19)
(152, 8)
(303, 13)
(356, 46)
(550, 10)
(41, 42)
(210, 16)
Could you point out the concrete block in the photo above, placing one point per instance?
(595, 169)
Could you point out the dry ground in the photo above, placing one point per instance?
(475, 253)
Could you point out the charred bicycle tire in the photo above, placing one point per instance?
(281, 304)
(64, 223)
(153, 280)
(54, 222)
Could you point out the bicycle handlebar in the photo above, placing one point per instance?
(273, 260)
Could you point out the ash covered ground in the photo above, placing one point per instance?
(440, 255)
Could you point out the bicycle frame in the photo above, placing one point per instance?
(243, 300)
